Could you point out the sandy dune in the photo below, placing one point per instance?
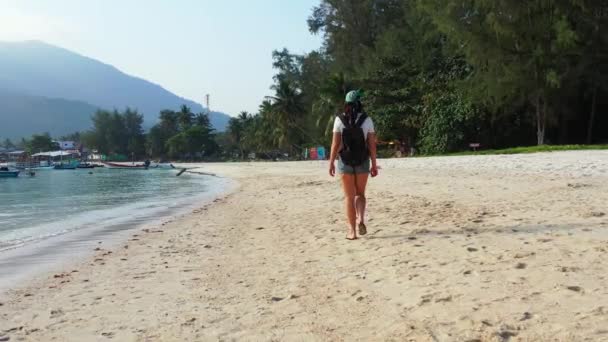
(481, 248)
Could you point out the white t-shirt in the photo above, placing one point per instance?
(367, 127)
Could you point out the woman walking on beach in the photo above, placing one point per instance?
(354, 140)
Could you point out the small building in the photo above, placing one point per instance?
(67, 145)
(56, 155)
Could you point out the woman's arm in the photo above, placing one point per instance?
(371, 146)
(335, 145)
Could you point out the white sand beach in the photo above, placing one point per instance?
(476, 248)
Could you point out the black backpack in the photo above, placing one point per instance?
(354, 149)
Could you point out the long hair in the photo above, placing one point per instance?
(352, 109)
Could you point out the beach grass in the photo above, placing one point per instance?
(524, 149)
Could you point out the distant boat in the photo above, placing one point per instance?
(85, 166)
(62, 166)
(126, 166)
(38, 168)
(5, 172)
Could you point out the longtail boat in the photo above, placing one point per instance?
(133, 166)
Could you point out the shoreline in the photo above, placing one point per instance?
(40, 257)
(465, 249)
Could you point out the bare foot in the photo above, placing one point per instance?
(352, 235)
(362, 229)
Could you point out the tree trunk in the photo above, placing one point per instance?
(592, 116)
(540, 122)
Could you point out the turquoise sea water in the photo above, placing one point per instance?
(53, 210)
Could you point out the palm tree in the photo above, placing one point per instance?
(185, 117)
(202, 119)
(330, 101)
(235, 130)
(287, 114)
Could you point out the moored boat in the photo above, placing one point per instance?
(62, 166)
(5, 172)
(131, 166)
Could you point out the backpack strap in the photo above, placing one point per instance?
(344, 120)
(361, 120)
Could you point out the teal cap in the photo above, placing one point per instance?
(353, 96)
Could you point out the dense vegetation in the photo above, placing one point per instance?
(120, 135)
(436, 75)
(440, 74)
(178, 135)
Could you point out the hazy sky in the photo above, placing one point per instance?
(190, 47)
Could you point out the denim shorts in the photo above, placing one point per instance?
(349, 170)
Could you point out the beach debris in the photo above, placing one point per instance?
(574, 288)
(276, 299)
(15, 329)
(523, 255)
(190, 321)
(486, 323)
(27, 295)
(360, 298)
(207, 246)
(294, 296)
(180, 172)
(56, 313)
(526, 316)
(506, 335)
(32, 331)
(472, 249)
(259, 228)
(425, 299)
(578, 185)
(467, 272)
(4, 338)
(107, 334)
(444, 299)
(520, 266)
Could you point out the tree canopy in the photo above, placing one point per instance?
(440, 74)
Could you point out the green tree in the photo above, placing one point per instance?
(195, 142)
(330, 101)
(8, 144)
(287, 115)
(41, 143)
(519, 49)
(185, 118)
(71, 137)
(133, 122)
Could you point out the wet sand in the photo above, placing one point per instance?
(459, 248)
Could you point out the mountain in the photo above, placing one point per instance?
(22, 115)
(35, 68)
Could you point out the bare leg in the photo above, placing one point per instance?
(348, 185)
(360, 200)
